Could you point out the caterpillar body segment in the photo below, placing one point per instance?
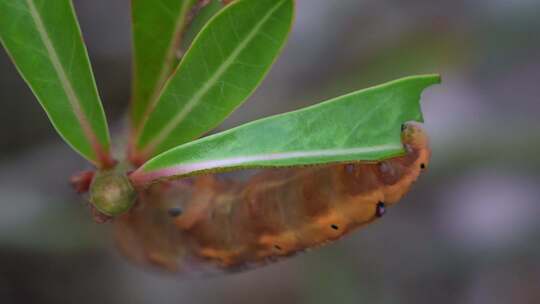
(211, 225)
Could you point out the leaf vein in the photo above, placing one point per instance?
(199, 94)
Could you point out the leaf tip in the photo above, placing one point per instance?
(433, 78)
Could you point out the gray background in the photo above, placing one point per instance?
(467, 233)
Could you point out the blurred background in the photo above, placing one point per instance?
(467, 233)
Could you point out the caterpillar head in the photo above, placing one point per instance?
(415, 138)
(413, 134)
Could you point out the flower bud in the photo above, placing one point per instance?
(112, 193)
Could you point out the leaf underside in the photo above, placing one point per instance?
(361, 126)
(44, 41)
(225, 63)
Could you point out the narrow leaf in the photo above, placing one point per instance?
(226, 62)
(44, 40)
(158, 26)
(361, 126)
(202, 16)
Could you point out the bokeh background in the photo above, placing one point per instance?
(467, 233)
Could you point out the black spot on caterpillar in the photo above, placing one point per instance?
(380, 209)
(228, 226)
(175, 211)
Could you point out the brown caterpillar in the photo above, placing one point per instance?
(210, 225)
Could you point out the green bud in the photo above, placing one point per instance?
(111, 193)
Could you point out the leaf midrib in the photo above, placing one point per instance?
(72, 97)
(166, 68)
(145, 175)
(239, 160)
(195, 99)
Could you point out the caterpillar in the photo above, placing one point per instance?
(210, 225)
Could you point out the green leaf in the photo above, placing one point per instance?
(361, 126)
(226, 62)
(158, 27)
(200, 19)
(44, 40)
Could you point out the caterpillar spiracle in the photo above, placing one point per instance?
(209, 225)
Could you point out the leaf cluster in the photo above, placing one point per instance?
(195, 62)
